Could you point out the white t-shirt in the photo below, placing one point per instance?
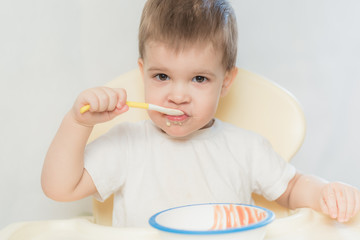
(149, 171)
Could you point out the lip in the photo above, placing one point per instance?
(180, 118)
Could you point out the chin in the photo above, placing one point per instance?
(176, 131)
(173, 133)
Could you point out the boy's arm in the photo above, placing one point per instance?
(64, 177)
(338, 200)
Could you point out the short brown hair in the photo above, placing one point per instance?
(179, 23)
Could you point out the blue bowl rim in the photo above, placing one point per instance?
(270, 217)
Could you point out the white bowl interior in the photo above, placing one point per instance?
(205, 217)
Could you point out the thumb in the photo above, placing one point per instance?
(118, 110)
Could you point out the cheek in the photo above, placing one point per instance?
(147, 92)
(157, 119)
(209, 101)
(154, 99)
(149, 96)
(153, 94)
(207, 108)
(152, 116)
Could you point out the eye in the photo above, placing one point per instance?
(162, 77)
(199, 79)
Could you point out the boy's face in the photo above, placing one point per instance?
(191, 80)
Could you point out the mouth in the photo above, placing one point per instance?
(176, 120)
(180, 118)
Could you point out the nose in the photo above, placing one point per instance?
(179, 94)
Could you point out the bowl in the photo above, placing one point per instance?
(225, 221)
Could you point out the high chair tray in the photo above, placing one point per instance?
(300, 225)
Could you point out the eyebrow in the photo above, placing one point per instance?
(196, 73)
(156, 69)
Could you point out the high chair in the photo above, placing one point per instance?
(253, 103)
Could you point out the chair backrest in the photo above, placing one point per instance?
(253, 103)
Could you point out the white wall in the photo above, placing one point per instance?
(311, 47)
(51, 50)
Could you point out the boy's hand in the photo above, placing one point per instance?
(105, 104)
(340, 201)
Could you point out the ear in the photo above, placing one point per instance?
(228, 80)
(141, 67)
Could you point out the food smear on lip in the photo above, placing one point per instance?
(231, 216)
(168, 123)
(176, 120)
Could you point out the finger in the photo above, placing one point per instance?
(328, 201)
(120, 103)
(323, 206)
(90, 98)
(331, 202)
(113, 99)
(350, 203)
(122, 97)
(103, 100)
(356, 202)
(341, 204)
(118, 111)
(93, 97)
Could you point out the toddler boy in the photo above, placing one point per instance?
(187, 59)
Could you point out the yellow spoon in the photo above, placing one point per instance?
(168, 111)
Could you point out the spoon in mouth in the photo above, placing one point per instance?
(168, 111)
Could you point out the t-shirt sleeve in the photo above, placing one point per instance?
(271, 173)
(105, 160)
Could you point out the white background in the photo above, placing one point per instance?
(51, 50)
